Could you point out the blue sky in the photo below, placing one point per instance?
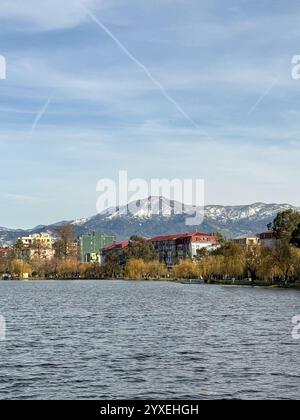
(226, 64)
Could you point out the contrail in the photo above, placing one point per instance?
(141, 66)
(262, 97)
(41, 113)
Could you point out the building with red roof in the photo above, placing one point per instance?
(267, 239)
(4, 251)
(116, 249)
(172, 248)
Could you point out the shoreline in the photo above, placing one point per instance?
(191, 282)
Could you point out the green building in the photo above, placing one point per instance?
(91, 244)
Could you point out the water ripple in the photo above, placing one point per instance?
(107, 340)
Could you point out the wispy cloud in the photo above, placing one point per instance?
(262, 97)
(140, 96)
(44, 16)
(121, 46)
(21, 198)
(41, 113)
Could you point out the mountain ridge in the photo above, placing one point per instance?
(157, 215)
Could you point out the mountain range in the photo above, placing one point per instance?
(158, 216)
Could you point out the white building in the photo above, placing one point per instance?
(37, 246)
(43, 239)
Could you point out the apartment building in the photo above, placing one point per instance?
(172, 248)
(116, 249)
(38, 245)
(43, 239)
(90, 245)
(267, 239)
(247, 242)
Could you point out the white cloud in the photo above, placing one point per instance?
(46, 14)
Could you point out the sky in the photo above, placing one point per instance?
(162, 89)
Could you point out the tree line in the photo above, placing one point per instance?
(280, 264)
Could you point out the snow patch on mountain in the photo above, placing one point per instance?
(79, 222)
(149, 207)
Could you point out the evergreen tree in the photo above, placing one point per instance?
(295, 240)
(139, 248)
(285, 224)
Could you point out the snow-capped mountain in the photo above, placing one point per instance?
(149, 207)
(256, 211)
(157, 215)
(160, 206)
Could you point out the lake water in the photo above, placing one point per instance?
(131, 340)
